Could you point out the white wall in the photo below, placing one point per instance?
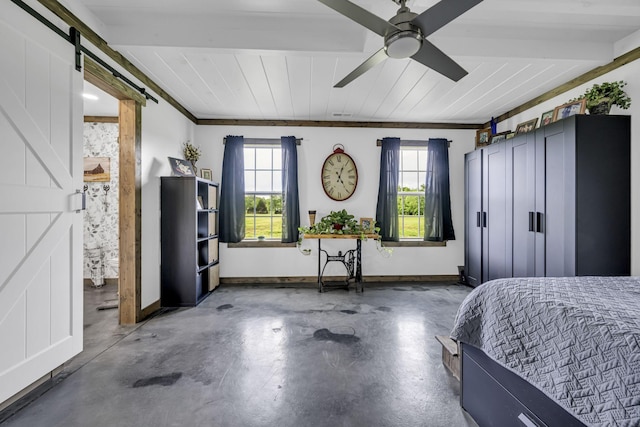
(164, 130)
(360, 143)
(629, 74)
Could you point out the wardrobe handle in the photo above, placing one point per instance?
(532, 221)
(484, 219)
(477, 219)
(539, 222)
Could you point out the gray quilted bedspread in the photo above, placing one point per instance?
(576, 339)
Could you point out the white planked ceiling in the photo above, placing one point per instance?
(277, 59)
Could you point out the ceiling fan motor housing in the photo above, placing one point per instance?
(407, 41)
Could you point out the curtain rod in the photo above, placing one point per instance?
(411, 142)
(263, 140)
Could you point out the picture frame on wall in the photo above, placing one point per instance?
(97, 169)
(206, 174)
(570, 109)
(546, 118)
(527, 126)
(181, 167)
(482, 137)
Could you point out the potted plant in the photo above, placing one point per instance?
(600, 97)
(191, 153)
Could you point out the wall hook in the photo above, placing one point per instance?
(106, 188)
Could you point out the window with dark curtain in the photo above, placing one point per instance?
(387, 208)
(269, 196)
(232, 227)
(290, 198)
(438, 224)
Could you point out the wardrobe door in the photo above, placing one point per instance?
(473, 220)
(494, 213)
(555, 178)
(520, 188)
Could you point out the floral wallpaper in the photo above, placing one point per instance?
(101, 216)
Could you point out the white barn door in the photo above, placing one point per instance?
(40, 231)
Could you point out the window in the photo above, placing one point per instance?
(263, 191)
(411, 190)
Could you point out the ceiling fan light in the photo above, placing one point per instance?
(403, 44)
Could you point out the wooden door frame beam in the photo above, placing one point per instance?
(130, 200)
(130, 194)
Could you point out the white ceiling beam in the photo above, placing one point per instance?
(249, 31)
(513, 49)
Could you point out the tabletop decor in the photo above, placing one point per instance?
(191, 153)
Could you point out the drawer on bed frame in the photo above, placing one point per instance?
(495, 396)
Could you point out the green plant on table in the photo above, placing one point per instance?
(337, 222)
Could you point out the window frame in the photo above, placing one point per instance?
(418, 169)
(257, 193)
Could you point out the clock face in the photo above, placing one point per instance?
(339, 176)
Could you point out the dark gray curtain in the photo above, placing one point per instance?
(438, 225)
(290, 199)
(387, 209)
(232, 191)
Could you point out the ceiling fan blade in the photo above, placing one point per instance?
(441, 14)
(361, 16)
(437, 60)
(373, 60)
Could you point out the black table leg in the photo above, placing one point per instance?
(359, 265)
(319, 270)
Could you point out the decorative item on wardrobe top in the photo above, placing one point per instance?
(482, 137)
(600, 97)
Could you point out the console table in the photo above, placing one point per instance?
(351, 259)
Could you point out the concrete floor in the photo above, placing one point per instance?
(264, 356)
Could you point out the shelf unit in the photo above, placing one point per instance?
(189, 240)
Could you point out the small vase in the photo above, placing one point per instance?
(600, 109)
(195, 169)
(337, 226)
(312, 218)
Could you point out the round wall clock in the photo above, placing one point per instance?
(339, 174)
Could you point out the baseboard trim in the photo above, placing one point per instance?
(313, 280)
(149, 310)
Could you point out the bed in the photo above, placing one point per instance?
(551, 352)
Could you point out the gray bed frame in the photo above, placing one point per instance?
(495, 396)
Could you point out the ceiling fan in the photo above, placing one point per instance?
(404, 35)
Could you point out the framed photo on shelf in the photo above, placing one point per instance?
(367, 225)
(482, 137)
(570, 109)
(546, 118)
(500, 136)
(181, 167)
(527, 126)
(206, 174)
